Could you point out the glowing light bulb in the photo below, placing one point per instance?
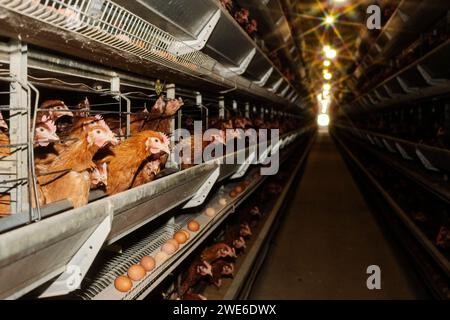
(327, 63)
(329, 20)
(331, 54)
(327, 87)
(327, 75)
(323, 120)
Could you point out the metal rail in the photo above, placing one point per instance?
(101, 286)
(439, 258)
(106, 23)
(407, 156)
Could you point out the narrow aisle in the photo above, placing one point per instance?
(328, 238)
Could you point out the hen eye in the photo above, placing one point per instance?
(98, 132)
(41, 129)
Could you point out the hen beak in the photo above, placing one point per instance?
(114, 141)
(64, 113)
(53, 138)
(165, 148)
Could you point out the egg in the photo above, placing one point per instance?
(210, 212)
(148, 263)
(123, 284)
(238, 189)
(233, 194)
(175, 243)
(136, 272)
(223, 201)
(188, 235)
(181, 237)
(168, 248)
(193, 226)
(161, 257)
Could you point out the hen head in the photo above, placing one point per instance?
(99, 176)
(239, 243)
(245, 230)
(204, 269)
(45, 132)
(157, 142)
(224, 251)
(227, 269)
(173, 106)
(255, 211)
(99, 133)
(159, 106)
(56, 109)
(84, 108)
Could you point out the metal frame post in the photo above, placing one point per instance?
(247, 110)
(222, 107)
(19, 127)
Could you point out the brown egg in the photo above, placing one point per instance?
(180, 237)
(210, 212)
(233, 194)
(123, 284)
(175, 243)
(188, 235)
(136, 272)
(168, 248)
(193, 226)
(238, 189)
(223, 201)
(148, 263)
(161, 257)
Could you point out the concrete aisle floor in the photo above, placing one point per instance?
(328, 238)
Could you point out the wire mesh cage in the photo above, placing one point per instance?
(113, 25)
(15, 151)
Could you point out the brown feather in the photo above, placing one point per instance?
(67, 177)
(126, 160)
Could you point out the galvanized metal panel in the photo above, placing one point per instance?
(46, 246)
(181, 18)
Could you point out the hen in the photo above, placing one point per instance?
(55, 110)
(129, 157)
(45, 133)
(217, 251)
(234, 239)
(196, 271)
(68, 176)
(161, 115)
(221, 269)
(99, 176)
(148, 173)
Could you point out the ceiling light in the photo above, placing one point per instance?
(329, 20)
(331, 54)
(327, 75)
(327, 63)
(327, 87)
(323, 120)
